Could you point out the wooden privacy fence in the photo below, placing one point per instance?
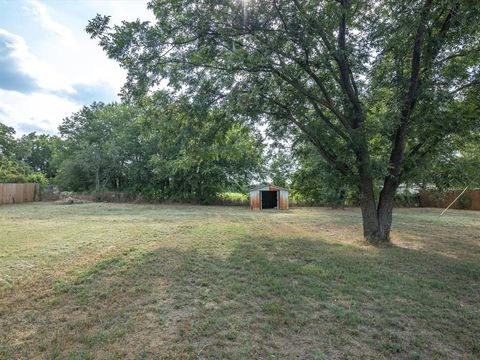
(470, 200)
(18, 193)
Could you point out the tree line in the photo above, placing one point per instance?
(169, 150)
(159, 149)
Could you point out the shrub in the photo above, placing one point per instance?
(231, 198)
(18, 172)
(407, 199)
(464, 202)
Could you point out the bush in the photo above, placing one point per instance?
(18, 172)
(37, 177)
(464, 202)
(76, 175)
(231, 198)
(407, 199)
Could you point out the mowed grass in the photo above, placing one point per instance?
(111, 281)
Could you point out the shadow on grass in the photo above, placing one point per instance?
(263, 297)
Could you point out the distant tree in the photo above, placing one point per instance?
(38, 150)
(161, 149)
(92, 155)
(12, 169)
(371, 84)
(196, 152)
(314, 181)
(456, 163)
(280, 167)
(77, 173)
(8, 144)
(18, 172)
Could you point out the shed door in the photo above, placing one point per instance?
(269, 200)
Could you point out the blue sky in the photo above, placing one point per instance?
(49, 67)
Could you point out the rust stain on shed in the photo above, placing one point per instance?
(283, 197)
(255, 200)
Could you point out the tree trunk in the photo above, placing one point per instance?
(97, 179)
(377, 220)
(369, 211)
(385, 208)
(371, 224)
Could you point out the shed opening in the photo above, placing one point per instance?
(269, 199)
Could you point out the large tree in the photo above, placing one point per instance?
(104, 148)
(38, 150)
(8, 143)
(199, 152)
(372, 84)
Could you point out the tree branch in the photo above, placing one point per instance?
(329, 157)
(398, 147)
(346, 74)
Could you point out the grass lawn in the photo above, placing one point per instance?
(110, 281)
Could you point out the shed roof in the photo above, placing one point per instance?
(267, 187)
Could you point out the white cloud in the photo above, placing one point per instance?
(43, 108)
(40, 13)
(68, 67)
(75, 58)
(40, 110)
(46, 77)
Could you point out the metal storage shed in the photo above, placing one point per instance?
(269, 197)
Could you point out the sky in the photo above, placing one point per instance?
(49, 66)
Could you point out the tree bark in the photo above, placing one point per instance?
(377, 218)
(385, 208)
(369, 211)
(97, 179)
(367, 194)
(377, 221)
